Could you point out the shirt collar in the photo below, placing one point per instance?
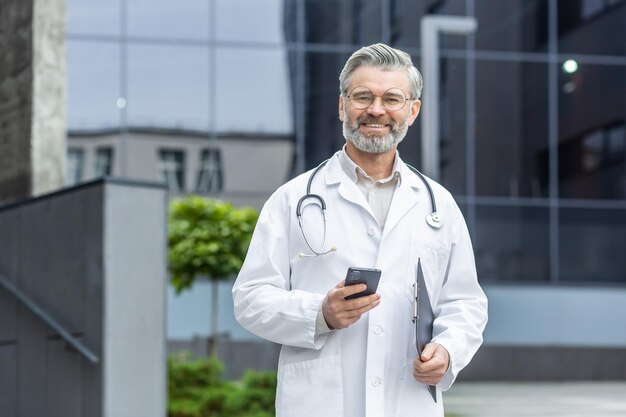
(353, 171)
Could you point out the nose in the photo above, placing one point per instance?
(376, 107)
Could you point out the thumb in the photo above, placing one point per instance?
(428, 352)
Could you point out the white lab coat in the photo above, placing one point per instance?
(365, 369)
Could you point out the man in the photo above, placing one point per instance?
(357, 357)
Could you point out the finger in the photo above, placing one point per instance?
(426, 368)
(361, 302)
(423, 368)
(341, 284)
(433, 376)
(352, 289)
(364, 309)
(428, 352)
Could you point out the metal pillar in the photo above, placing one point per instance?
(431, 27)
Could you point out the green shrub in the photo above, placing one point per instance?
(196, 390)
(255, 396)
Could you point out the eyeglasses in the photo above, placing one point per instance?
(393, 99)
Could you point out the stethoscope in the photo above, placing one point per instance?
(432, 219)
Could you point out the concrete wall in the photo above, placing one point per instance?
(32, 97)
(93, 257)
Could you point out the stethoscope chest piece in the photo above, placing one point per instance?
(434, 220)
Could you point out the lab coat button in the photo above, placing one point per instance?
(378, 330)
(371, 231)
(376, 382)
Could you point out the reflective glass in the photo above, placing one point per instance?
(93, 17)
(511, 129)
(262, 21)
(93, 70)
(187, 19)
(592, 27)
(352, 22)
(75, 166)
(321, 124)
(592, 243)
(512, 25)
(168, 87)
(453, 127)
(405, 17)
(512, 244)
(253, 91)
(592, 137)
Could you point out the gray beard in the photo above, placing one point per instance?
(373, 143)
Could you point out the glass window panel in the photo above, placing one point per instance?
(262, 21)
(592, 243)
(592, 161)
(93, 17)
(187, 19)
(353, 22)
(405, 17)
(75, 166)
(322, 127)
(511, 244)
(452, 124)
(511, 129)
(93, 70)
(210, 175)
(104, 161)
(172, 165)
(253, 101)
(592, 27)
(168, 87)
(512, 25)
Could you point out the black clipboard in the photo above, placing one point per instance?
(423, 317)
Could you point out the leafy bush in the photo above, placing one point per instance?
(207, 238)
(196, 390)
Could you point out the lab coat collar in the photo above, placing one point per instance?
(405, 196)
(335, 173)
(347, 188)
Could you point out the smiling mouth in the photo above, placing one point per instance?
(373, 125)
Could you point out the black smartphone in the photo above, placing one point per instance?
(367, 276)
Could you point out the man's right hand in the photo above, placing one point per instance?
(340, 313)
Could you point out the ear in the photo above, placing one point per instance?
(415, 110)
(340, 107)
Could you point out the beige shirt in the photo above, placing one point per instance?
(377, 193)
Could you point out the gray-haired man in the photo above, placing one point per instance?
(357, 357)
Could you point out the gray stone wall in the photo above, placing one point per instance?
(49, 118)
(32, 97)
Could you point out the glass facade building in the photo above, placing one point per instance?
(532, 117)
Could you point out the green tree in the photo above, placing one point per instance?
(207, 239)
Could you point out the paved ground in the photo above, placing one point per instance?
(571, 399)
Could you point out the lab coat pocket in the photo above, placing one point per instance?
(306, 386)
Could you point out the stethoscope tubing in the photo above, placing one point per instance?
(433, 219)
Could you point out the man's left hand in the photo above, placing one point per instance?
(431, 365)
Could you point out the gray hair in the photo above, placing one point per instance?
(386, 58)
